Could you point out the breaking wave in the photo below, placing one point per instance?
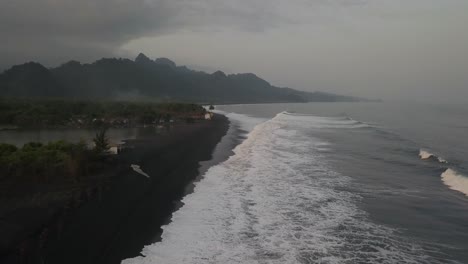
(455, 181)
(425, 155)
(327, 122)
(276, 200)
(450, 177)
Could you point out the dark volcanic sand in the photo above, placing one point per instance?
(128, 215)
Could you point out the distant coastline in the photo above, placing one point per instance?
(68, 113)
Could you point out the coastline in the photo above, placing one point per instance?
(129, 213)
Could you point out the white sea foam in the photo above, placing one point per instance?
(138, 169)
(455, 181)
(441, 160)
(277, 201)
(424, 154)
(327, 122)
(246, 123)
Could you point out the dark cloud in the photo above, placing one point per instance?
(48, 30)
(51, 31)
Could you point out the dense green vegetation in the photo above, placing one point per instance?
(159, 79)
(54, 161)
(76, 113)
(39, 163)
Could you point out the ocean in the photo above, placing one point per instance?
(329, 183)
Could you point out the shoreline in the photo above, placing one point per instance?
(129, 213)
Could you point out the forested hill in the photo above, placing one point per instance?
(159, 79)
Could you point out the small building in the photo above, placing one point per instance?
(116, 148)
(208, 115)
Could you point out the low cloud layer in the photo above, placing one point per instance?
(415, 49)
(53, 30)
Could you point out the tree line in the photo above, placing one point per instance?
(76, 113)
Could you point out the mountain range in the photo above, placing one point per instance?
(144, 78)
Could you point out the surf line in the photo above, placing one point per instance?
(455, 181)
(138, 170)
(425, 155)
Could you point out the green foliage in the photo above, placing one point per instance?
(6, 149)
(101, 141)
(37, 162)
(71, 113)
(31, 146)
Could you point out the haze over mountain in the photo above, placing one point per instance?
(161, 79)
(391, 49)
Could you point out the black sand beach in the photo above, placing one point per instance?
(119, 220)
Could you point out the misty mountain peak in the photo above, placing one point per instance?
(71, 63)
(165, 61)
(28, 67)
(32, 77)
(219, 74)
(154, 79)
(142, 58)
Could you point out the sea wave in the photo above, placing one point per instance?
(426, 155)
(276, 200)
(450, 177)
(244, 122)
(455, 181)
(337, 122)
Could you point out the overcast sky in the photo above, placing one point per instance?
(391, 49)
